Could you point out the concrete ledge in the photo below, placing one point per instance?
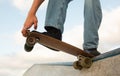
(107, 54)
(105, 67)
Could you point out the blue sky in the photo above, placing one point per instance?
(13, 14)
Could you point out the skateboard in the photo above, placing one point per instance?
(84, 59)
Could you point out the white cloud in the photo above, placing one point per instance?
(110, 29)
(24, 5)
(74, 36)
(17, 64)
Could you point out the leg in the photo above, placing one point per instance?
(55, 18)
(92, 16)
(56, 13)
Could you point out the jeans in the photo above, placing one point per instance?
(56, 15)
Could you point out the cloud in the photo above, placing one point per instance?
(17, 64)
(24, 5)
(110, 29)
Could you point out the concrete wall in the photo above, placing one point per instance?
(105, 67)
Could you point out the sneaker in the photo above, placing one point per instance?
(93, 52)
(53, 32)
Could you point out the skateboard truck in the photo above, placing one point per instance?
(83, 62)
(30, 42)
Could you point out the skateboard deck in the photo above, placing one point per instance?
(84, 59)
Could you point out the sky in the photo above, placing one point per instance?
(14, 61)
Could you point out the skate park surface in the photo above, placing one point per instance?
(106, 64)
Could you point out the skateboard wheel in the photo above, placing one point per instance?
(31, 41)
(77, 66)
(85, 62)
(28, 48)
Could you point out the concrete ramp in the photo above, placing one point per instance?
(51, 70)
(107, 64)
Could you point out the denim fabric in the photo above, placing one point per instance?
(92, 20)
(56, 15)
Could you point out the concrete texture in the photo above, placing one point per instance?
(105, 67)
